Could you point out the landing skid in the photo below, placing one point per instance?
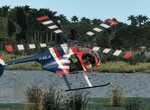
(87, 80)
(89, 87)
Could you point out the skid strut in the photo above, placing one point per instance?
(87, 80)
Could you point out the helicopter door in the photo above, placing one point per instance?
(75, 64)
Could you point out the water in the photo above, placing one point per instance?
(14, 83)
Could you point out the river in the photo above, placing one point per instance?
(14, 83)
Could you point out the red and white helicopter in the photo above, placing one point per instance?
(65, 59)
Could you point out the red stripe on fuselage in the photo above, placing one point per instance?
(74, 49)
(60, 58)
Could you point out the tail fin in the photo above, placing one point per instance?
(2, 66)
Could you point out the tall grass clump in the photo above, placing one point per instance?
(43, 98)
(116, 96)
(134, 104)
(52, 98)
(34, 98)
(76, 100)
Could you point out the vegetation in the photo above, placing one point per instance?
(116, 96)
(123, 67)
(19, 25)
(40, 99)
(34, 98)
(53, 99)
(76, 100)
(134, 104)
(93, 104)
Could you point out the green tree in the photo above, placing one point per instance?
(140, 19)
(4, 11)
(96, 22)
(74, 19)
(133, 20)
(63, 19)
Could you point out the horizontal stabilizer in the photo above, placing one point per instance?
(89, 87)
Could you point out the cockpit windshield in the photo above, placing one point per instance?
(88, 60)
(96, 54)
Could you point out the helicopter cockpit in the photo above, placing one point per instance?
(76, 65)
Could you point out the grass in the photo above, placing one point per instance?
(93, 104)
(12, 106)
(121, 67)
(102, 104)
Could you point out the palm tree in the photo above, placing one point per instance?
(145, 19)
(63, 19)
(4, 11)
(96, 22)
(133, 20)
(33, 25)
(85, 20)
(74, 19)
(140, 19)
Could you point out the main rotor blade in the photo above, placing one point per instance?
(46, 21)
(118, 53)
(11, 48)
(97, 29)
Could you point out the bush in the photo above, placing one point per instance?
(34, 98)
(52, 98)
(136, 59)
(116, 96)
(39, 99)
(76, 100)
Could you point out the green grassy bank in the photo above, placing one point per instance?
(121, 67)
(93, 104)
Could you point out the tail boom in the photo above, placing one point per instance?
(2, 66)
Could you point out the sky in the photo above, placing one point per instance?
(100, 9)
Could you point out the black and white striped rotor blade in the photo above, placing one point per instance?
(45, 20)
(118, 53)
(22, 47)
(101, 27)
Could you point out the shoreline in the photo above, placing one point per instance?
(111, 67)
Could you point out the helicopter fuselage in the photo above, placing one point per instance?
(62, 59)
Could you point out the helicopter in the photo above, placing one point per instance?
(65, 59)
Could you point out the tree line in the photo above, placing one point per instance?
(19, 25)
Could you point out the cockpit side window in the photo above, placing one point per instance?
(75, 64)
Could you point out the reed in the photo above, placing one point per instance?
(116, 95)
(34, 98)
(76, 100)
